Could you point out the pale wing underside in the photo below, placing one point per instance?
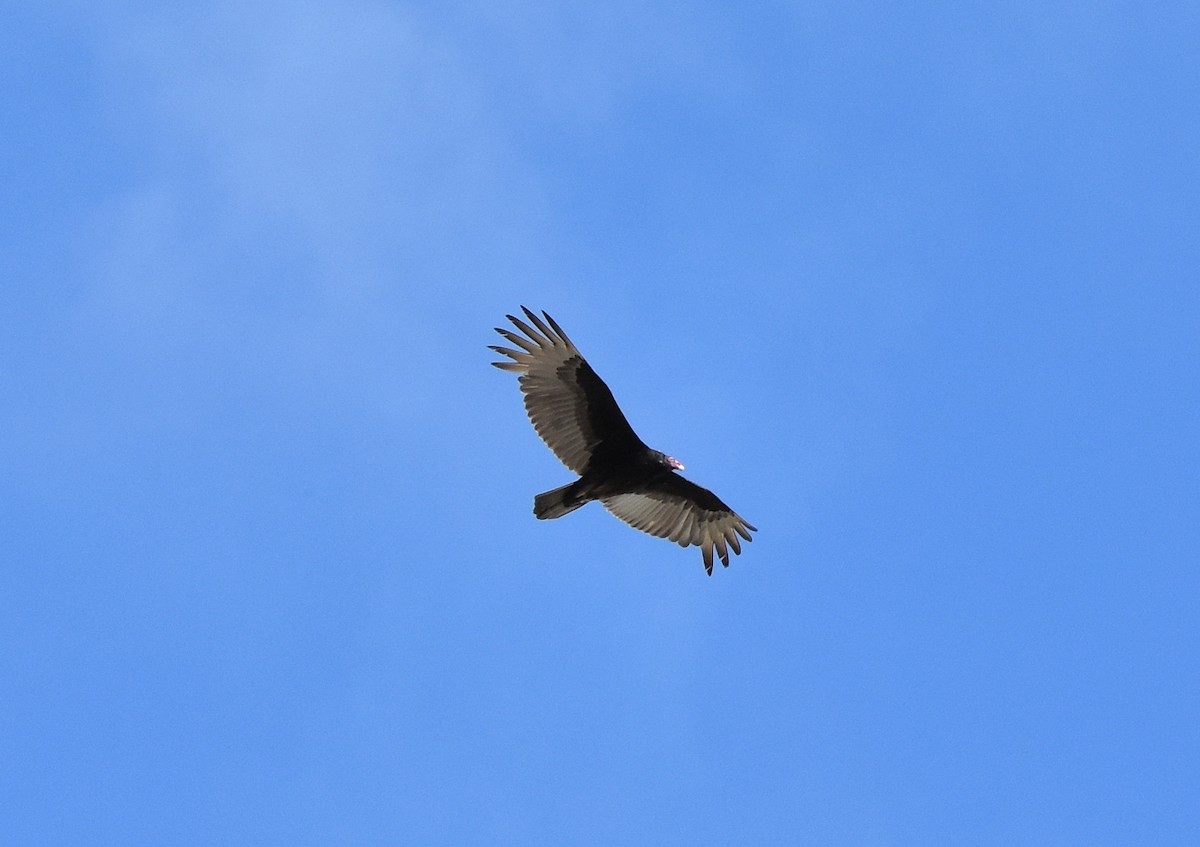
(555, 400)
(668, 515)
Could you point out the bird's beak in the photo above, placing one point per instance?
(675, 463)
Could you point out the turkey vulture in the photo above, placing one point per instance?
(575, 414)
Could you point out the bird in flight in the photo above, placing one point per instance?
(575, 414)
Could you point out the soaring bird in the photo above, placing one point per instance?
(575, 414)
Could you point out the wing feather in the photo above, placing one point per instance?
(674, 508)
(525, 344)
(571, 408)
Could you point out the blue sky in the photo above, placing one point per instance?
(913, 288)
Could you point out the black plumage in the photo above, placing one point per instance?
(575, 414)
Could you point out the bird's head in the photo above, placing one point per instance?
(670, 461)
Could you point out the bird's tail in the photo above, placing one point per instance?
(556, 503)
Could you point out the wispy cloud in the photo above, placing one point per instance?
(370, 144)
(350, 141)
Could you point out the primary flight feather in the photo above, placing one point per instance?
(575, 414)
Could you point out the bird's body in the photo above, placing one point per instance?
(607, 476)
(575, 413)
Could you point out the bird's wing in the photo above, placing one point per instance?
(570, 406)
(672, 507)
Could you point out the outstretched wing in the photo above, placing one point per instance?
(570, 407)
(675, 508)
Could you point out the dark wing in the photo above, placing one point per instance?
(570, 407)
(672, 507)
